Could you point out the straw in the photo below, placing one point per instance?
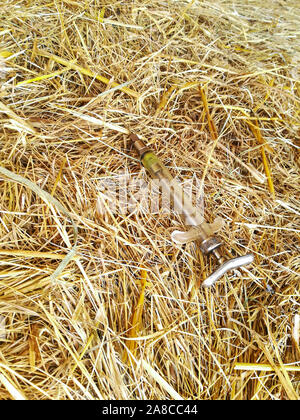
(97, 302)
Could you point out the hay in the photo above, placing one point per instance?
(213, 87)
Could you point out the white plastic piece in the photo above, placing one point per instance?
(182, 237)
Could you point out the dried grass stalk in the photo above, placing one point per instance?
(214, 88)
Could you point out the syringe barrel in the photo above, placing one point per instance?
(182, 204)
(201, 231)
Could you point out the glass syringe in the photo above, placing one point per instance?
(199, 230)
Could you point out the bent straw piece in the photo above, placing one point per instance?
(173, 91)
(136, 321)
(165, 98)
(57, 180)
(87, 72)
(84, 350)
(257, 134)
(256, 131)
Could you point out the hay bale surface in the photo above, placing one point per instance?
(213, 88)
